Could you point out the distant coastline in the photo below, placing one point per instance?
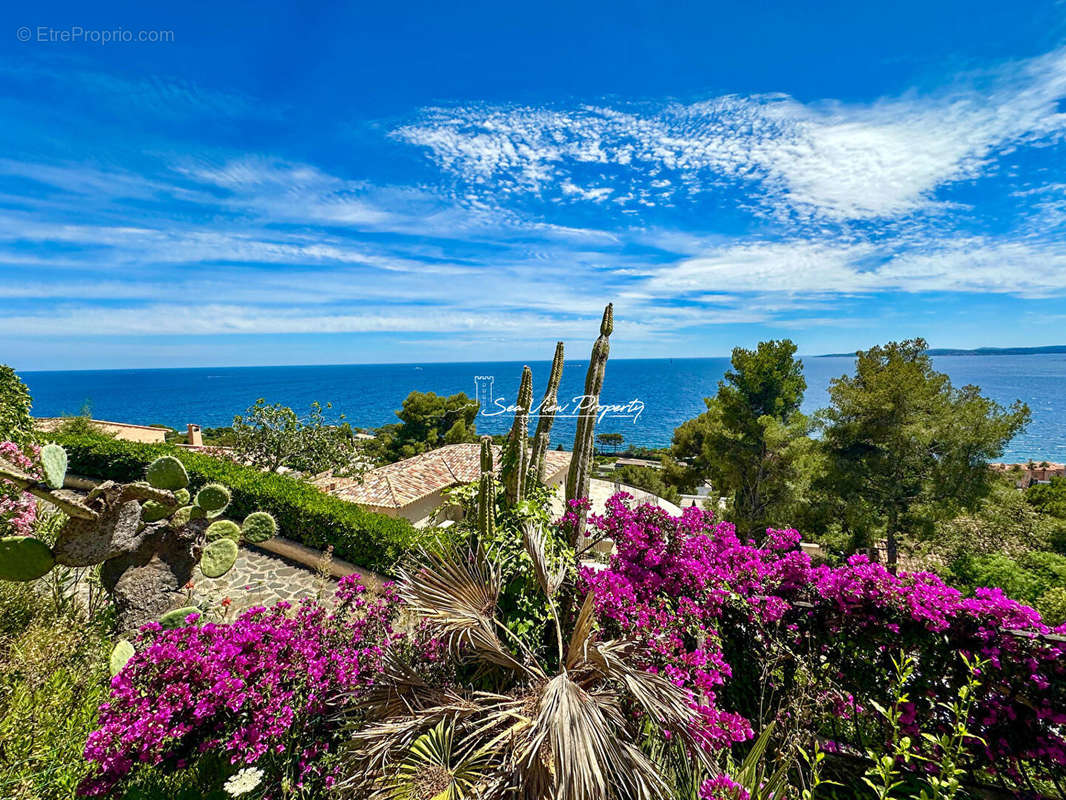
(979, 351)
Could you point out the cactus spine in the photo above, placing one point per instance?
(546, 417)
(516, 455)
(580, 473)
(486, 496)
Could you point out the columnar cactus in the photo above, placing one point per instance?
(546, 418)
(580, 473)
(486, 497)
(515, 461)
(146, 540)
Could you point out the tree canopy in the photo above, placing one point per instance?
(751, 440)
(904, 448)
(271, 436)
(16, 424)
(429, 421)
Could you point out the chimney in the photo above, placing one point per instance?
(195, 439)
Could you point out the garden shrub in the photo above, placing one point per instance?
(253, 692)
(304, 513)
(53, 676)
(1025, 577)
(728, 619)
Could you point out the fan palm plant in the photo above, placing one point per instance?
(505, 723)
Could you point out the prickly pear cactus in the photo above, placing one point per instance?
(166, 472)
(120, 655)
(213, 497)
(177, 617)
(186, 514)
(147, 536)
(224, 529)
(24, 558)
(54, 465)
(153, 511)
(258, 527)
(218, 558)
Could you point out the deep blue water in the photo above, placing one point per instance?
(672, 390)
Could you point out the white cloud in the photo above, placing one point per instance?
(837, 161)
(174, 319)
(805, 268)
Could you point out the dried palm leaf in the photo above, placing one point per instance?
(589, 759)
(548, 579)
(457, 594)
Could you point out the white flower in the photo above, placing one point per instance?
(244, 781)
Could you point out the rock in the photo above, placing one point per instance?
(144, 582)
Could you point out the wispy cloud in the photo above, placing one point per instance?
(832, 160)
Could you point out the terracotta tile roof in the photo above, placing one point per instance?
(400, 484)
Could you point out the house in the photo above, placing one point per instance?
(413, 488)
(120, 430)
(1025, 475)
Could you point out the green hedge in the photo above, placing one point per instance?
(304, 514)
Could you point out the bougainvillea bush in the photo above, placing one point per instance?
(754, 633)
(254, 692)
(735, 621)
(18, 509)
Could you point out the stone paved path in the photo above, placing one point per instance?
(261, 578)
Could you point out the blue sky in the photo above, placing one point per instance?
(319, 183)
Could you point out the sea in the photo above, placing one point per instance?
(643, 399)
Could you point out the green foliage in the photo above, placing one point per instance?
(427, 421)
(610, 441)
(167, 472)
(1026, 577)
(54, 465)
(752, 442)
(24, 558)
(16, 424)
(947, 752)
(275, 436)
(53, 676)
(905, 448)
(1049, 498)
(218, 558)
(303, 513)
(648, 479)
(1052, 605)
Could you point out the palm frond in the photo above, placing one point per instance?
(435, 769)
(549, 580)
(587, 757)
(457, 594)
(581, 635)
(752, 776)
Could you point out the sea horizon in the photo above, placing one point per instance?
(669, 390)
(985, 350)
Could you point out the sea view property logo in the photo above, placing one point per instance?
(581, 405)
